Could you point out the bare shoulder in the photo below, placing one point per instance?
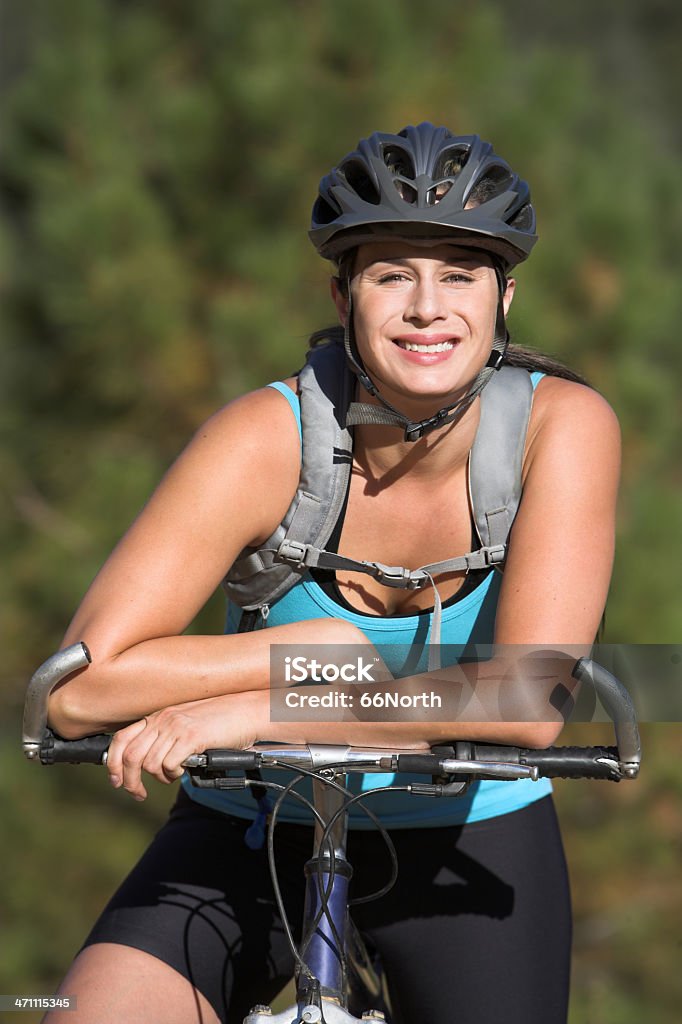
(556, 393)
(260, 422)
(250, 446)
(567, 418)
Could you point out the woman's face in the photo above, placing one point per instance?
(424, 318)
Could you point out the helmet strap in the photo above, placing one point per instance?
(360, 413)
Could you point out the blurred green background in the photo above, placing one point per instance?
(159, 160)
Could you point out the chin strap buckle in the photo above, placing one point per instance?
(415, 431)
(495, 359)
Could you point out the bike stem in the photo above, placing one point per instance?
(322, 953)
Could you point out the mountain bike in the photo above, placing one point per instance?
(338, 979)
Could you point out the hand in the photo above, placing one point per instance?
(159, 743)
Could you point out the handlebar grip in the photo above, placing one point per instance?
(88, 750)
(223, 760)
(426, 764)
(574, 762)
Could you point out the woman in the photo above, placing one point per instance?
(424, 228)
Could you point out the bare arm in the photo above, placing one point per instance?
(561, 551)
(228, 490)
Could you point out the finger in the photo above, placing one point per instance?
(178, 752)
(115, 753)
(133, 758)
(155, 762)
(147, 749)
(173, 774)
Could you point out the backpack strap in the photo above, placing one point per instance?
(496, 458)
(326, 385)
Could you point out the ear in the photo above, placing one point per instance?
(508, 295)
(340, 300)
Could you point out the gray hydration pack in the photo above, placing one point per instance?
(261, 576)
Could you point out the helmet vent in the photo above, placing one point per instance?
(360, 182)
(406, 191)
(496, 180)
(399, 162)
(323, 212)
(524, 219)
(451, 161)
(435, 194)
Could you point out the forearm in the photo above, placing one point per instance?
(411, 732)
(124, 686)
(417, 735)
(160, 743)
(521, 696)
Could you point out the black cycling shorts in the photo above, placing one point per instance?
(476, 930)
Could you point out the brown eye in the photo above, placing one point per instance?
(394, 276)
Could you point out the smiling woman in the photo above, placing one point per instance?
(413, 438)
(433, 310)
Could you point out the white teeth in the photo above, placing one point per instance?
(442, 346)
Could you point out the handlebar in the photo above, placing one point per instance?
(479, 760)
(38, 741)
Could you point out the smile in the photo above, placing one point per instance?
(441, 346)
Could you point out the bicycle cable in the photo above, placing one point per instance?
(325, 891)
(385, 835)
(283, 792)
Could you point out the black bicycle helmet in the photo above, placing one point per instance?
(426, 185)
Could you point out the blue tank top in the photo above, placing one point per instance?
(470, 620)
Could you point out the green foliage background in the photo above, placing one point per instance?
(159, 160)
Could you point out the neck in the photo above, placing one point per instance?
(383, 455)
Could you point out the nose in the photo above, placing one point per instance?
(426, 302)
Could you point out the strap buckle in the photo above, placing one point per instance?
(496, 358)
(495, 555)
(415, 431)
(293, 552)
(399, 578)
